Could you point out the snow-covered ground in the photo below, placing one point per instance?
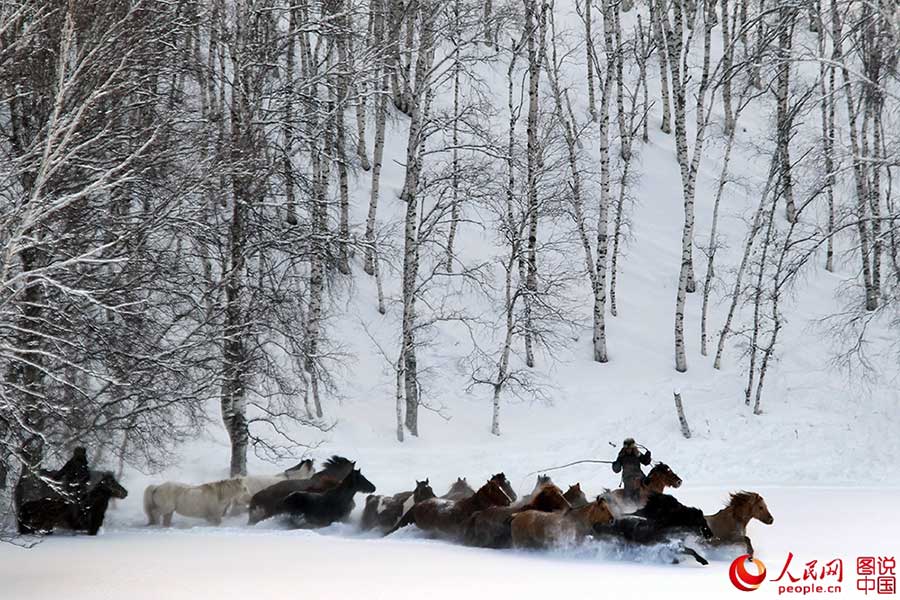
(235, 561)
(824, 453)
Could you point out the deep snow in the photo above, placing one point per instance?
(824, 453)
(129, 561)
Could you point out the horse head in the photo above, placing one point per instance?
(761, 511)
(598, 513)
(423, 491)
(501, 480)
(661, 477)
(460, 488)
(575, 496)
(359, 482)
(109, 484)
(492, 494)
(750, 505)
(550, 498)
(542, 480)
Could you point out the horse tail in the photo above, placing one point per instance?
(148, 503)
(406, 519)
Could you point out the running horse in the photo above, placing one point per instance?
(270, 501)
(447, 518)
(321, 509)
(655, 482)
(535, 529)
(460, 490)
(664, 520)
(575, 496)
(729, 525)
(490, 528)
(383, 512)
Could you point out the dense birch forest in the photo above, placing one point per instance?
(191, 189)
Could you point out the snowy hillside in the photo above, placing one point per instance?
(820, 424)
(818, 437)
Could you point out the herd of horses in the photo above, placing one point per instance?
(492, 516)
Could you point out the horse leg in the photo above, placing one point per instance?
(214, 516)
(237, 508)
(749, 545)
(697, 557)
(167, 519)
(25, 529)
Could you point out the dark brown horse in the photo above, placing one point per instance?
(656, 481)
(490, 528)
(575, 496)
(535, 529)
(729, 525)
(383, 512)
(542, 482)
(501, 480)
(460, 490)
(270, 501)
(320, 509)
(661, 520)
(446, 518)
(45, 514)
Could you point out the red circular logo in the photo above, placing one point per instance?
(741, 579)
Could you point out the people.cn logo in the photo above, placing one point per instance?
(741, 579)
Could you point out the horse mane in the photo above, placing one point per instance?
(300, 465)
(98, 476)
(223, 487)
(336, 462)
(740, 502)
(742, 497)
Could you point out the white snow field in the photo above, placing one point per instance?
(136, 563)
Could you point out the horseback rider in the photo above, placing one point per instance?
(75, 476)
(629, 462)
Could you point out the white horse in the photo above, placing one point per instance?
(206, 501)
(257, 483)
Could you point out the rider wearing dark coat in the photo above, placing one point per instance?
(629, 462)
(75, 475)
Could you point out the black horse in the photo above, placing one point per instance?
(657, 522)
(270, 501)
(71, 482)
(45, 514)
(320, 509)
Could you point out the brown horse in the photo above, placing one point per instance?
(460, 490)
(446, 517)
(490, 528)
(383, 512)
(542, 482)
(658, 479)
(729, 525)
(575, 496)
(535, 529)
(501, 480)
